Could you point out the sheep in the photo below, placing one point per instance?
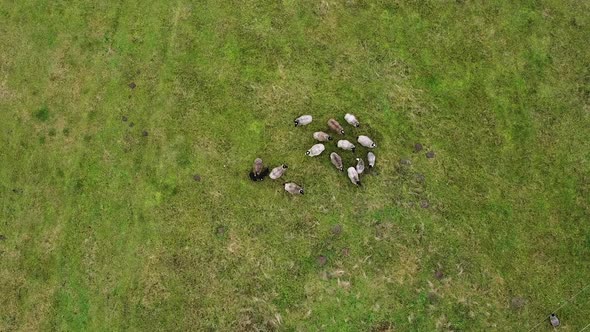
(371, 159)
(303, 120)
(336, 161)
(293, 188)
(360, 166)
(315, 150)
(277, 172)
(258, 170)
(554, 320)
(258, 165)
(320, 136)
(353, 176)
(366, 141)
(346, 145)
(351, 119)
(335, 126)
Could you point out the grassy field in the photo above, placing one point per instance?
(104, 227)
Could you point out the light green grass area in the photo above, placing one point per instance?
(105, 229)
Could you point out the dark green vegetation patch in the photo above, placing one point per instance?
(42, 114)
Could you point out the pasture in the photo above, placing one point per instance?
(128, 129)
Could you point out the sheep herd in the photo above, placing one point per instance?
(259, 171)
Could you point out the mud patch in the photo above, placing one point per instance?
(420, 178)
(418, 147)
(345, 252)
(220, 230)
(430, 154)
(197, 177)
(383, 327)
(517, 303)
(439, 274)
(322, 260)
(336, 229)
(132, 85)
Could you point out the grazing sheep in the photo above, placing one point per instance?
(258, 165)
(366, 141)
(277, 172)
(336, 161)
(335, 126)
(360, 166)
(258, 170)
(293, 188)
(554, 320)
(371, 159)
(320, 136)
(346, 145)
(315, 150)
(351, 119)
(303, 120)
(353, 176)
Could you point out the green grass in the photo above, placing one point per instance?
(105, 229)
